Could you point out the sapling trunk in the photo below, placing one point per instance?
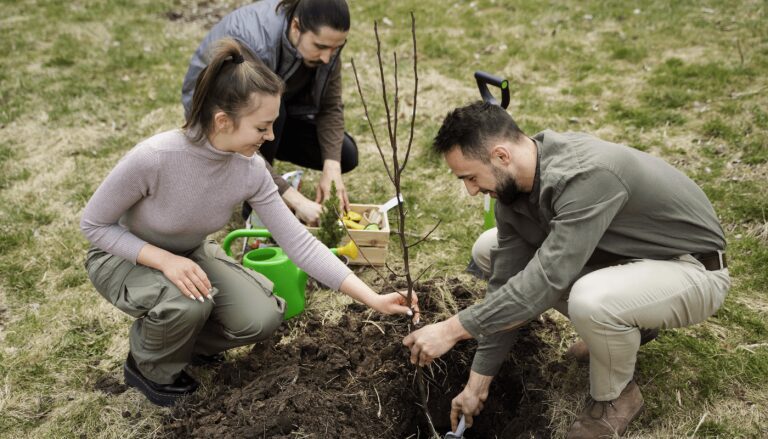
(394, 172)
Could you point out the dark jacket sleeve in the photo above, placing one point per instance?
(282, 185)
(330, 118)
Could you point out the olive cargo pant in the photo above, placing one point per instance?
(170, 327)
(607, 305)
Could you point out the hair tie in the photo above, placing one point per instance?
(238, 58)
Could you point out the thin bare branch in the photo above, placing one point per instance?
(370, 123)
(422, 273)
(394, 273)
(383, 83)
(395, 174)
(415, 92)
(425, 236)
(397, 98)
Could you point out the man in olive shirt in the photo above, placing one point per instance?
(614, 238)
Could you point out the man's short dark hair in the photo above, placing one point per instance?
(472, 127)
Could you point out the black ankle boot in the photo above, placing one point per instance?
(161, 394)
(207, 360)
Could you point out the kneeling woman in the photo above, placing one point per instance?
(148, 222)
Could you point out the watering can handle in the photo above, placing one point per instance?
(350, 249)
(243, 233)
(484, 79)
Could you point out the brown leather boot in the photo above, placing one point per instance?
(580, 352)
(607, 419)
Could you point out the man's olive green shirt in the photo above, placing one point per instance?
(592, 202)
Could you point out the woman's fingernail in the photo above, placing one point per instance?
(201, 299)
(210, 298)
(410, 313)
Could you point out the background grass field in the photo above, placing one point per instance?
(82, 81)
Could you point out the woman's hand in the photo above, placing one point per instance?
(396, 303)
(188, 277)
(392, 303)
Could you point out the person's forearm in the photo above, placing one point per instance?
(456, 330)
(293, 198)
(153, 257)
(331, 165)
(479, 384)
(358, 290)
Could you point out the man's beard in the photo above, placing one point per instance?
(506, 188)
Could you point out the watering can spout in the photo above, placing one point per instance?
(349, 250)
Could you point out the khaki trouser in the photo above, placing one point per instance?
(607, 305)
(170, 327)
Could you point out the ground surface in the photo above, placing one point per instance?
(351, 379)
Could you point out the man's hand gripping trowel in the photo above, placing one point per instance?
(459, 433)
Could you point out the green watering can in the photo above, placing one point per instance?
(290, 281)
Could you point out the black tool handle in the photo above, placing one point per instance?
(484, 79)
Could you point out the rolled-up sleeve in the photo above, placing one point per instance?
(330, 118)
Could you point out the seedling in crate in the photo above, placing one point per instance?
(330, 232)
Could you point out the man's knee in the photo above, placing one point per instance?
(348, 154)
(481, 250)
(585, 304)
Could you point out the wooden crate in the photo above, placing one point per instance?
(372, 243)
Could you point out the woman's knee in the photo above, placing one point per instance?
(254, 324)
(177, 310)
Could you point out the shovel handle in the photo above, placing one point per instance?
(484, 79)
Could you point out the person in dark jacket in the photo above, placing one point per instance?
(299, 40)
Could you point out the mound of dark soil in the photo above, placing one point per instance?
(354, 380)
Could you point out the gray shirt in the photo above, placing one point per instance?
(262, 27)
(172, 193)
(592, 201)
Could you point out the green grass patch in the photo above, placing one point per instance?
(738, 201)
(643, 116)
(702, 81)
